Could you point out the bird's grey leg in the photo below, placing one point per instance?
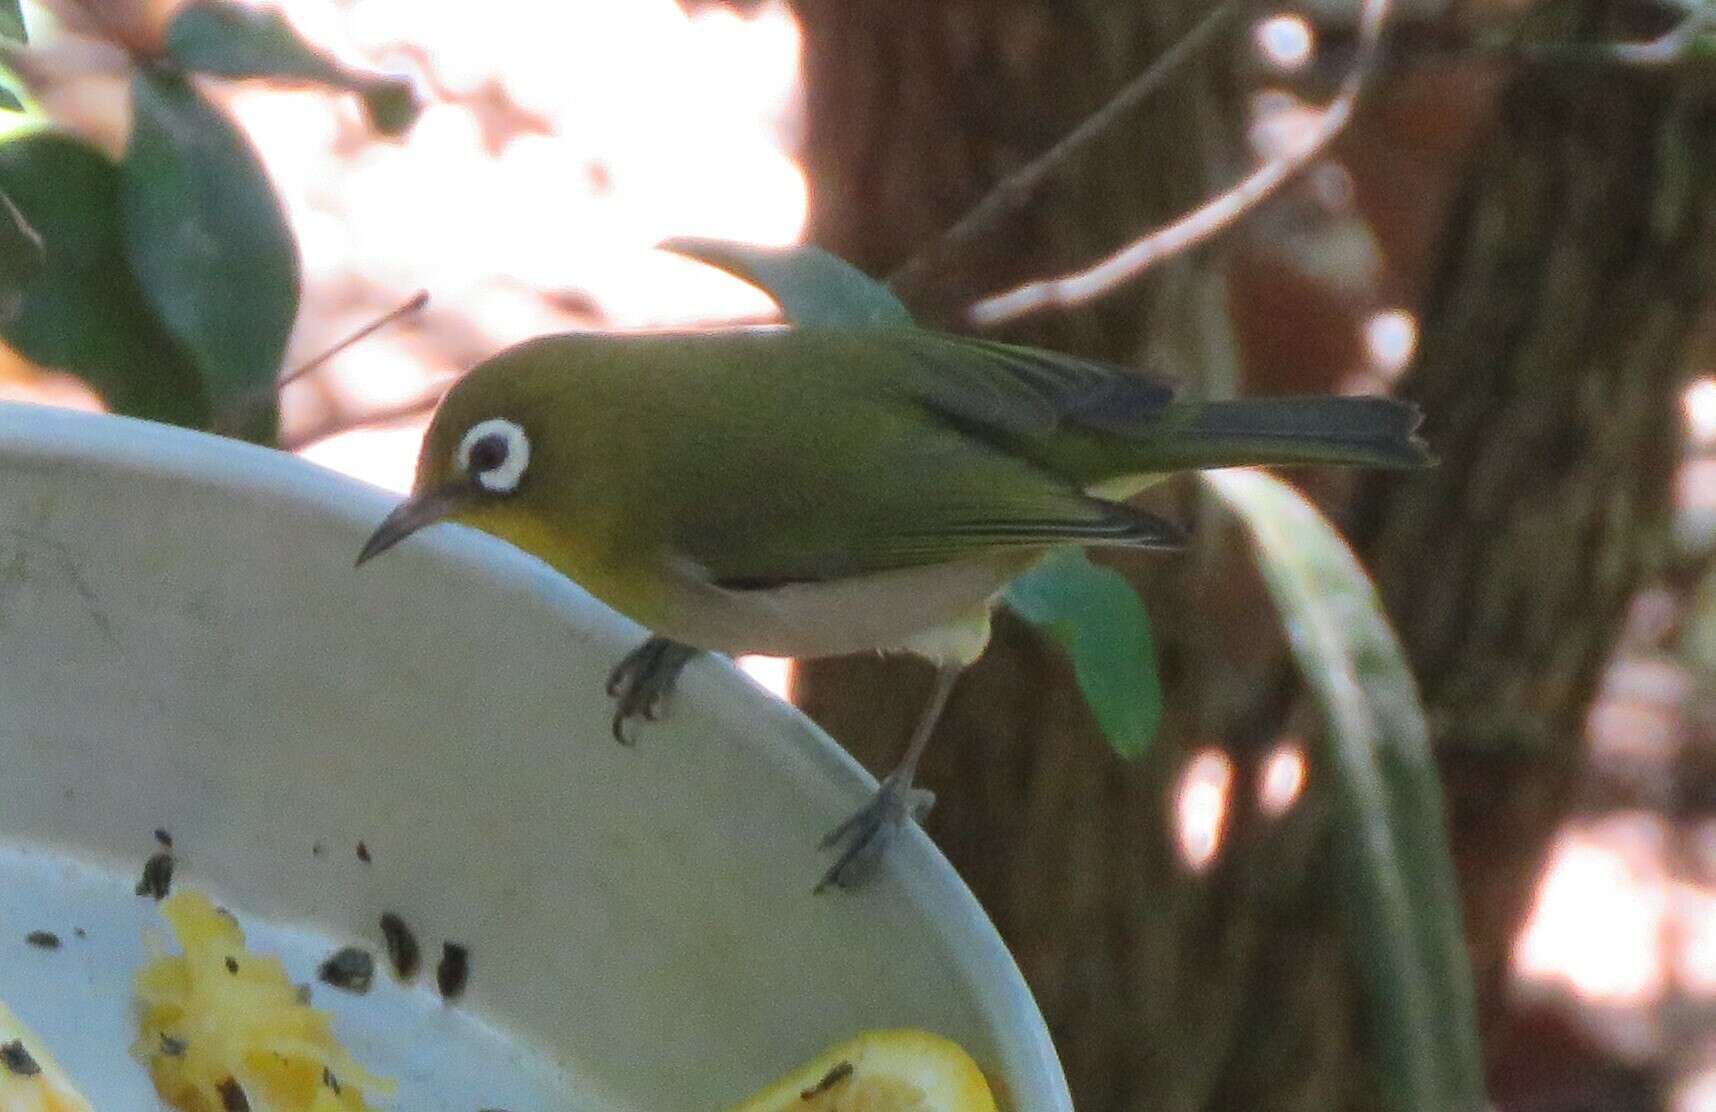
(863, 838)
(643, 678)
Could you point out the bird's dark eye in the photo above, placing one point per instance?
(487, 453)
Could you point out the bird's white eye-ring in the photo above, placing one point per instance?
(495, 453)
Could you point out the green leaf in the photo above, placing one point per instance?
(9, 100)
(21, 258)
(813, 287)
(12, 22)
(236, 40)
(1097, 616)
(82, 310)
(1399, 895)
(206, 237)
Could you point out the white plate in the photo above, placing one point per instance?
(185, 644)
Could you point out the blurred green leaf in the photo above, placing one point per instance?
(1097, 616)
(1400, 897)
(9, 100)
(82, 310)
(12, 22)
(813, 287)
(236, 40)
(21, 258)
(207, 239)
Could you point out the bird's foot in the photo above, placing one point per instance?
(642, 680)
(863, 838)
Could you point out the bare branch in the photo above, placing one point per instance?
(1015, 191)
(1209, 219)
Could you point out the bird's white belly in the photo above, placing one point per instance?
(941, 613)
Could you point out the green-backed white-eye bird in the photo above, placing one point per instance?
(812, 492)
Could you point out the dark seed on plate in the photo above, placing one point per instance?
(454, 970)
(350, 969)
(402, 949)
(45, 940)
(163, 837)
(157, 877)
(80, 932)
(171, 1047)
(17, 1060)
(232, 1098)
(363, 853)
(829, 1080)
(315, 849)
(330, 1080)
(231, 964)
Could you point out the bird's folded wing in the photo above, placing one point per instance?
(1025, 391)
(929, 494)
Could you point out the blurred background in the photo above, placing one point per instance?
(1516, 231)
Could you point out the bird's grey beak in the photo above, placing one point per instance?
(409, 516)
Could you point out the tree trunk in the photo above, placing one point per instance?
(1579, 259)
(1573, 265)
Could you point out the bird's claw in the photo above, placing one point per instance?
(864, 837)
(643, 679)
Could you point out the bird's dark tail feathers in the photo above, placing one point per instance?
(1358, 431)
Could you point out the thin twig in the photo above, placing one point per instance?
(418, 300)
(1210, 218)
(1017, 190)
